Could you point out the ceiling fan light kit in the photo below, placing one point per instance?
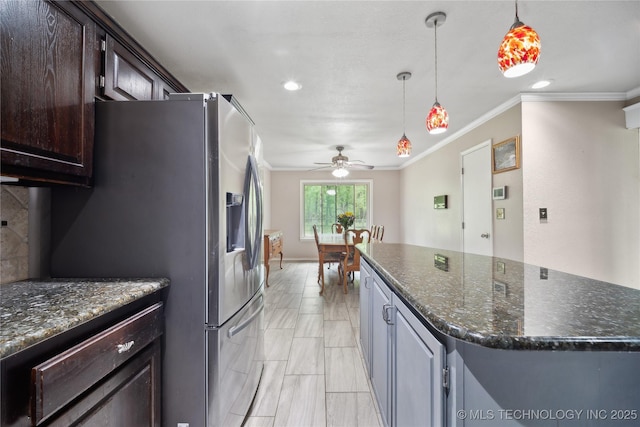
(403, 148)
(341, 164)
(340, 172)
(520, 49)
(438, 119)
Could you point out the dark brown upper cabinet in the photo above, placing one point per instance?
(127, 78)
(57, 58)
(49, 67)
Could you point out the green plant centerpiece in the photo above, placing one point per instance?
(346, 220)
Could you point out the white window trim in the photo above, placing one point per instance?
(303, 182)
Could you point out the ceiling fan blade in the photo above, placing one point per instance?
(321, 167)
(356, 166)
(341, 161)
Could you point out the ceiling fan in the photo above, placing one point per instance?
(341, 163)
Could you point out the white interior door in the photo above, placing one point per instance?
(476, 189)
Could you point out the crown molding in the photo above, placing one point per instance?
(559, 96)
(633, 93)
(468, 128)
(526, 97)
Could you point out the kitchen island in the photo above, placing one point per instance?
(80, 348)
(508, 343)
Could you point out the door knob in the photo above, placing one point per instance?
(485, 235)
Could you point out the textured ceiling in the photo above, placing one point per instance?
(346, 55)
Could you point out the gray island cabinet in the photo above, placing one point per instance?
(455, 339)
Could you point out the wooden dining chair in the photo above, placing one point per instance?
(351, 262)
(329, 257)
(336, 228)
(374, 232)
(380, 233)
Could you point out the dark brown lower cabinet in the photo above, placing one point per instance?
(110, 379)
(129, 397)
(108, 374)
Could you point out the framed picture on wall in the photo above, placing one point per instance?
(505, 155)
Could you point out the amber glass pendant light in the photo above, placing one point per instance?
(520, 49)
(403, 148)
(438, 118)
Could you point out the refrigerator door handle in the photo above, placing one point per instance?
(238, 328)
(253, 236)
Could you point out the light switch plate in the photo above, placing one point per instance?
(543, 213)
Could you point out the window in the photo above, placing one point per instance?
(323, 201)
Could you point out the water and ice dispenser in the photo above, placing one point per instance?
(235, 222)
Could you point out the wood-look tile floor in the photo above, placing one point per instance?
(314, 373)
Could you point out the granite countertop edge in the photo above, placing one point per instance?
(503, 341)
(38, 320)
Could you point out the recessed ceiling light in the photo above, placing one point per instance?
(291, 85)
(541, 84)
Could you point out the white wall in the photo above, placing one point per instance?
(266, 187)
(285, 206)
(578, 161)
(582, 165)
(439, 173)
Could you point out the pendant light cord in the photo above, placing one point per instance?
(404, 102)
(435, 31)
(516, 21)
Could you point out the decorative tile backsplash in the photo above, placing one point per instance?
(14, 233)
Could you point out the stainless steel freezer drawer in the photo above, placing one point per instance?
(235, 360)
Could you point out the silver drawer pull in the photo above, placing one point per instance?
(122, 348)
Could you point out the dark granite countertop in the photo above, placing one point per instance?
(32, 311)
(506, 304)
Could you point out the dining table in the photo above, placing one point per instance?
(328, 243)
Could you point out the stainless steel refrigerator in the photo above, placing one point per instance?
(177, 193)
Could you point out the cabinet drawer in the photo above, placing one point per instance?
(64, 377)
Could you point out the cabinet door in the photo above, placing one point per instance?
(419, 360)
(129, 398)
(126, 77)
(164, 90)
(366, 283)
(381, 346)
(62, 378)
(49, 53)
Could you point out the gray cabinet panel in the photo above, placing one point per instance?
(419, 360)
(381, 349)
(405, 361)
(366, 284)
